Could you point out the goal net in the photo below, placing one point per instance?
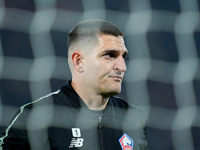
(163, 67)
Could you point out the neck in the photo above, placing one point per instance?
(92, 100)
(96, 104)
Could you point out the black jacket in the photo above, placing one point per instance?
(61, 121)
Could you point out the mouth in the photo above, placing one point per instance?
(117, 78)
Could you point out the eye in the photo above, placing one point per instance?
(110, 55)
(124, 56)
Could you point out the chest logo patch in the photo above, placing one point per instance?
(126, 142)
(76, 141)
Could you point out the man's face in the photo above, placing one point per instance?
(104, 66)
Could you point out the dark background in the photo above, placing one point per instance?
(157, 91)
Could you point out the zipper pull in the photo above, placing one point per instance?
(100, 121)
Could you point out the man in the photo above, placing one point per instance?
(84, 114)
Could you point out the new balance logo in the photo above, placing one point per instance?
(76, 141)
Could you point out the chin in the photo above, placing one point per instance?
(108, 91)
(106, 95)
(114, 92)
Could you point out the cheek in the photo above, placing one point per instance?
(92, 71)
(98, 70)
(103, 71)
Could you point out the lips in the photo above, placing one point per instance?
(119, 78)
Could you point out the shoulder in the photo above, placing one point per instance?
(25, 110)
(119, 102)
(130, 111)
(48, 99)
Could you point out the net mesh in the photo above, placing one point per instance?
(163, 76)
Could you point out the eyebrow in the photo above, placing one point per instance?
(115, 51)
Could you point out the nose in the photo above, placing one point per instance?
(120, 64)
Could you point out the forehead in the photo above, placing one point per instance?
(112, 42)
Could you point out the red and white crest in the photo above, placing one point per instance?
(126, 142)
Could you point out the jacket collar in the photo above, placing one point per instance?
(77, 103)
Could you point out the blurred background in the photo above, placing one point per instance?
(163, 76)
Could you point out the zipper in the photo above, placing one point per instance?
(100, 132)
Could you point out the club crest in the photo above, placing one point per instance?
(126, 142)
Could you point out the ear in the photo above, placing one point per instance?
(77, 61)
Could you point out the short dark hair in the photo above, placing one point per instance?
(92, 28)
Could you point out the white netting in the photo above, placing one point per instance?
(163, 64)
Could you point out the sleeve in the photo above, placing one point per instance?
(26, 131)
(15, 135)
